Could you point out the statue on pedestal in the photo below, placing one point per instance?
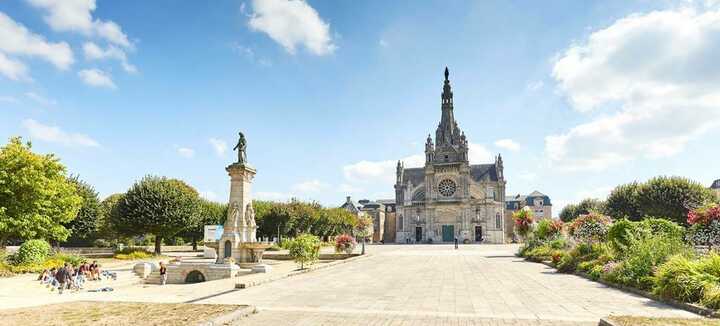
(241, 147)
(233, 217)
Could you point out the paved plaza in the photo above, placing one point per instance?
(410, 284)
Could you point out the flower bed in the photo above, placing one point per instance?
(651, 255)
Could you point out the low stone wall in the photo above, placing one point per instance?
(178, 273)
(278, 256)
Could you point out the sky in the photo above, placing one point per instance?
(577, 96)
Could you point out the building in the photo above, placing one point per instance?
(390, 227)
(449, 198)
(536, 201)
(366, 208)
(716, 186)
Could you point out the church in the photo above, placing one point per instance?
(449, 198)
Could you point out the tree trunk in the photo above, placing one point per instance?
(158, 241)
(363, 246)
(194, 242)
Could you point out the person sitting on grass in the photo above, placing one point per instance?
(80, 277)
(93, 268)
(62, 276)
(43, 276)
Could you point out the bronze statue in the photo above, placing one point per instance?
(241, 146)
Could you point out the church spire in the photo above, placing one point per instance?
(447, 132)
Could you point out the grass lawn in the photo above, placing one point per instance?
(646, 321)
(115, 313)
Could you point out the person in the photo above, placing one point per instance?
(94, 271)
(456, 243)
(163, 273)
(80, 277)
(43, 276)
(62, 276)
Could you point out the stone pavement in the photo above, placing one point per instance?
(435, 284)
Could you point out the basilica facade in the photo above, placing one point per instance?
(449, 198)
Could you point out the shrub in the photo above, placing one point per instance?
(589, 228)
(663, 226)
(55, 261)
(133, 253)
(681, 279)
(345, 243)
(711, 296)
(643, 256)
(619, 234)
(33, 251)
(305, 249)
(523, 222)
(547, 229)
(705, 234)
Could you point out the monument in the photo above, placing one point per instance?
(238, 246)
(238, 242)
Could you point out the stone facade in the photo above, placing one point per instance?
(716, 186)
(449, 198)
(240, 225)
(537, 202)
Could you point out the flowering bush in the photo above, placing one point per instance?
(548, 229)
(523, 222)
(590, 227)
(345, 243)
(705, 226)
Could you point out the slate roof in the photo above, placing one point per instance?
(477, 171)
(716, 184)
(415, 175)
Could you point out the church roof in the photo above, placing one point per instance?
(414, 175)
(536, 194)
(479, 171)
(716, 184)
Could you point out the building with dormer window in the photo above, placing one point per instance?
(449, 198)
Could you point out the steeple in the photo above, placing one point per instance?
(447, 132)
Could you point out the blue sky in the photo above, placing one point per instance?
(578, 96)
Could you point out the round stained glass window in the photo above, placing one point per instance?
(447, 187)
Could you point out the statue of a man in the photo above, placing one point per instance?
(250, 215)
(234, 216)
(241, 146)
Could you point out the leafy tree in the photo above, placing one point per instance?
(623, 202)
(363, 229)
(584, 207)
(304, 249)
(159, 206)
(36, 198)
(211, 213)
(672, 198)
(105, 228)
(568, 213)
(85, 224)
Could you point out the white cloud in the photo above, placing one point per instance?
(272, 196)
(597, 193)
(76, 16)
(478, 154)
(527, 176)
(40, 99)
(96, 78)
(652, 80)
(15, 39)
(292, 23)
(94, 52)
(508, 144)
(381, 173)
(219, 145)
(535, 86)
(311, 186)
(54, 134)
(9, 99)
(186, 152)
(13, 69)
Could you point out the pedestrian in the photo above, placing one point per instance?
(62, 277)
(163, 273)
(456, 243)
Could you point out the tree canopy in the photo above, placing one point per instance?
(36, 198)
(85, 225)
(586, 206)
(159, 206)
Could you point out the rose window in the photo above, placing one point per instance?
(447, 187)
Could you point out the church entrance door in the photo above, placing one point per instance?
(448, 233)
(478, 233)
(418, 234)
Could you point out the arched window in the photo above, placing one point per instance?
(419, 195)
(227, 252)
(498, 221)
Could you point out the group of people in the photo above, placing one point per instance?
(72, 278)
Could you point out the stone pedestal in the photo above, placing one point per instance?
(239, 226)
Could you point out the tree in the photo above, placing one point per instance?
(159, 206)
(84, 226)
(363, 229)
(210, 213)
(36, 198)
(672, 198)
(106, 230)
(623, 202)
(586, 206)
(304, 249)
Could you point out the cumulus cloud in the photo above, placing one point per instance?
(652, 83)
(94, 52)
(534, 86)
(76, 16)
(478, 154)
(96, 78)
(311, 186)
(292, 23)
(186, 152)
(17, 40)
(508, 144)
(54, 134)
(219, 145)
